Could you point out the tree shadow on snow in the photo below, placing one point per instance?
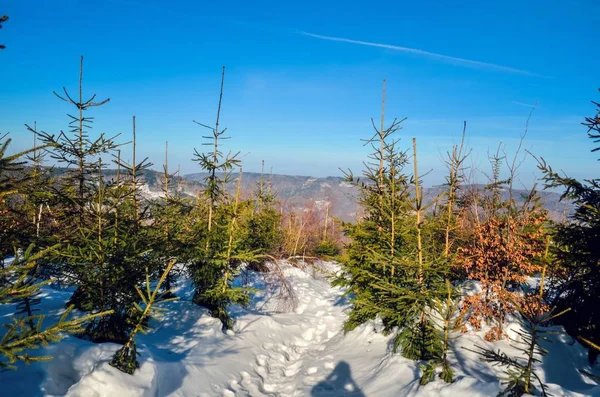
(186, 336)
(562, 365)
(343, 300)
(338, 383)
(473, 366)
(27, 380)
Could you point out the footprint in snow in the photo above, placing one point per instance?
(261, 360)
(292, 370)
(234, 385)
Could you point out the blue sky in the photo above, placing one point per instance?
(304, 78)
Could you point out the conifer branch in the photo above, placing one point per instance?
(125, 359)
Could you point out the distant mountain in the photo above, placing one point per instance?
(341, 195)
(302, 191)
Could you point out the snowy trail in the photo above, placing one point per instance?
(300, 353)
(287, 364)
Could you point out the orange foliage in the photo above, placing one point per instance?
(502, 252)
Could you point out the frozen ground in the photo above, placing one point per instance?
(299, 353)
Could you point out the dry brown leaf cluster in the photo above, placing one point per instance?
(501, 254)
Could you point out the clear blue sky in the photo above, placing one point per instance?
(304, 78)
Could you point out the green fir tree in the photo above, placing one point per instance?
(575, 276)
(393, 269)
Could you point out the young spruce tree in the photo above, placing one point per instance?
(393, 269)
(217, 252)
(575, 277)
(18, 285)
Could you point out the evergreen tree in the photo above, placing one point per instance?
(10, 178)
(125, 359)
(575, 278)
(78, 152)
(27, 217)
(18, 230)
(455, 183)
(218, 254)
(260, 227)
(102, 223)
(393, 268)
(520, 372)
(18, 285)
(448, 321)
(112, 253)
(39, 197)
(169, 216)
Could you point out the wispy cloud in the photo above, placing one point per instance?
(525, 104)
(432, 55)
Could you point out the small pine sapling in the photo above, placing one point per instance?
(521, 377)
(166, 215)
(17, 285)
(25, 333)
(454, 181)
(125, 359)
(418, 339)
(218, 251)
(15, 230)
(448, 320)
(261, 229)
(226, 264)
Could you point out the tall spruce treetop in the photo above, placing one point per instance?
(77, 149)
(217, 164)
(134, 171)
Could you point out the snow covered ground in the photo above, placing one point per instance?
(270, 353)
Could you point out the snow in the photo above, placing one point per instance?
(146, 192)
(301, 352)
